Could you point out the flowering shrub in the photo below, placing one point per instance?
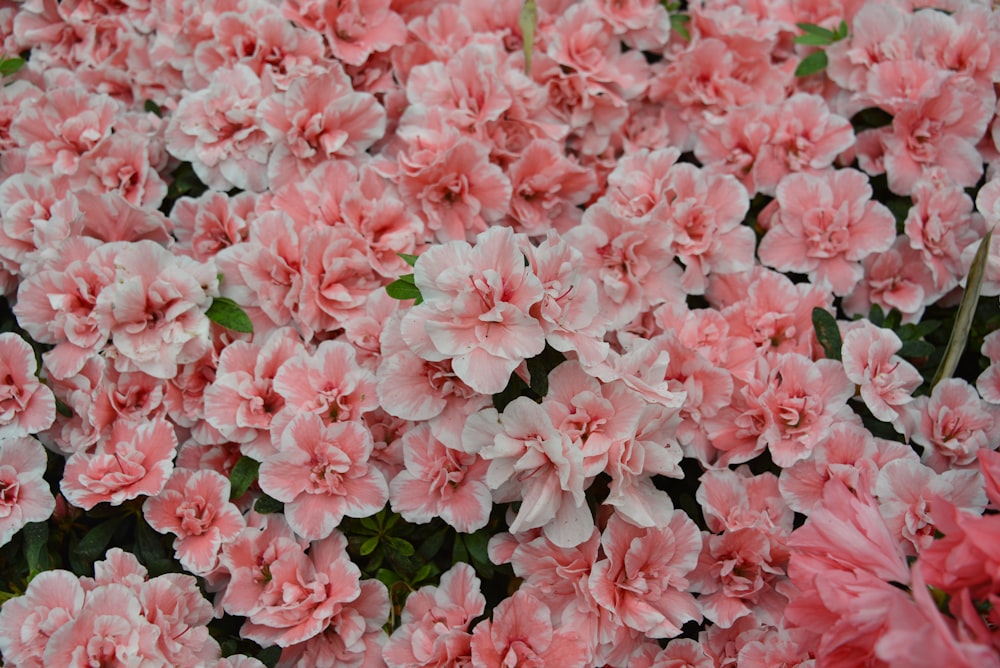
(537, 332)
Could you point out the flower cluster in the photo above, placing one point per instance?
(583, 333)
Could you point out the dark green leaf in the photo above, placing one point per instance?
(918, 330)
(893, 319)
(813, 29)
(916, 348)
(404, 289)
(92, 545)
(827, 332)
(811, 64)
(424, 572)
(408, 259)
(185, 182)
(458, 552)
(810, 39)
(368, 546)
(679, 23)
(153, 108)
(36, 538)
(871, 118)
(369, 523)
(391, 520)
(477, 544)
(10, 66)
(403, 547)
(269, 656)
(227, 313)
(148, 548)
(63, 409)
(432, 546)
(387, 577)
(242, 476)
(515, 388)
(265, 505)
(876, 315)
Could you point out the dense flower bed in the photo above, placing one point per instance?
(548, 333)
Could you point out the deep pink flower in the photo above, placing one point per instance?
(24, 496)
(521, 633)
(195, 507)
(321, 473)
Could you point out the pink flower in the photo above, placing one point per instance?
(951, 425)
(548, 188)
(24, 495)
(174, 604)
(966, 556)
(896, 279)
(195, 507)
(136, 459)
(354, 30)
(941, 225)
(988, 382)
(886, 380)
(317, 119)
(825, 225)
(642, 582)
(26, 406)
(532, 461)
(53, 600)
(435, 622)
(321, 473)
(154, 310)
(441, 480)
(476, 309)
(521, 633)
(214, 221)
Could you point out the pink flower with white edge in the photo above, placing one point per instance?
(476, 309)
(951, 425)
(887, 381)
(354, 30)
(825, 225)
(26, 406)
(135, 460)
(642, 581)
(24, 495)
(53, 599)
(521, 633)
(321, 473)
(195, 507)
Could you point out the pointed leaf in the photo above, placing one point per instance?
(679, 24)
(813, 29)
(10, 66)
(401, 546)
(368, 546)
(403, 289)
(36, 538)
(408, 259)
(811, 64)
(966, 311)
(809, 39)
(227, 313)
(266, 505)
(153, 108)
(827, 333)
(243, 475)
(92, 545)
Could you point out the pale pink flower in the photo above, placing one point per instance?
(476, 309)
(940, 225)
(896, 279)
(907, 491)
(319, 118)
(154, 310)
(730, 144)
(988, 382)
(548, 188)
(965, 557)
(825, 225)
(951, 425)
(122, 164)
(136, 459)
(26, 405)
(37, 215)
(531, 461)
(53, 600)
(886, 380)
(522, 633)
(441, 480)
(354, 30)
(174, 603)
(642, 582)
(25, 496)
(219, 131)
(195, 507)
(321, 473)
(206, 225)
(642, 24)
(435, 622)
(733, 500)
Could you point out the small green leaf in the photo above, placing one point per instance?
(811, 64)
(10, 66)
(403, 288)
(266, 505)
(153, 108)
(36, 537)
(92, 545)
(408, 259)
(424, 572)
(387, 577)
(841, 31)
(527, 21)
(915, 348)
(827, 333)
(148, 548)
(269, 656)
(813, 29)
(368, 546)
(913, 331)
(227, 313)
(369, 523)
(876, 315)
(966, 311)
(810, 39)
(458, 552)
(403, 547)
(477, 544)
(679, 24)
(243, 475)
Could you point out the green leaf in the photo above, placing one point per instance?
(92, 545)
(966, 311)
(148, 547)
(813, 29)
(871, 118)
(36, 538)
(266, 505)
(242, 476)
(679, 24)
(810, 39)
(811, 64)
(10, 66)
(458, 552)
(432, 545)
(477, 544)
(827, 332)
(841, 31)
(369, 523)
(915, 348)
(153, 108)
(876, 315)
(387, 577)
(227, 313)
(527, 21)
(403, 547)
(403, 288)
(269, 656)
(913, 331)
(424, 572)
(408, 259)
(368, 546)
